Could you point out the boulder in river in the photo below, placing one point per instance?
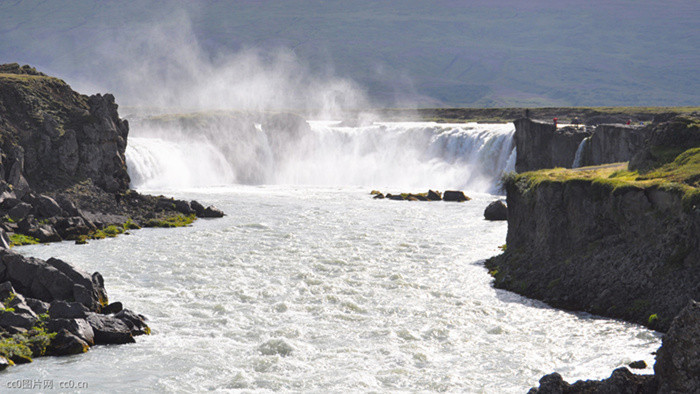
(497, 210)
(454, 195)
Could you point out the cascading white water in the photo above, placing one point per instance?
(156, 163)
(383, 154)
(579, 153)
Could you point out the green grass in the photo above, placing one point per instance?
(21, 239)
(682, 176)
(179, 220)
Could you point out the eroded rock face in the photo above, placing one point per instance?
(58, 136)
(678, 360)
(542, 145)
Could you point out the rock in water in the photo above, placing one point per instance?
(455, 195)
(497, 210)
(434, 195)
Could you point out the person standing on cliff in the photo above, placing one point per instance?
(555, 122)
(527, 113)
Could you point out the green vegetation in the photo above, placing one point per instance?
(681, 175)
(179, 220)
(21, 239)
(653, 318)
(20, 348)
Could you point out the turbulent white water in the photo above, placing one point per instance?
(324, 289)
(384, 154)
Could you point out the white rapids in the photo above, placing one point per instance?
(322, 288)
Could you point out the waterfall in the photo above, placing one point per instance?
(579, 153)
(380, 155)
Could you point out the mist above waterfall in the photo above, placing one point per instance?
(164, 65)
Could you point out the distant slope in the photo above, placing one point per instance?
(409, 53)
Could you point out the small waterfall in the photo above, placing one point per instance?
(384, 154)
(579, 153)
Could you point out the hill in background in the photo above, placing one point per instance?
(406, 54)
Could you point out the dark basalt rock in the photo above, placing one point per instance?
(67, 310)
(454, 195)
(678, 360)
(212, 212)
(434, 195)
(639, 364)
(621, 381)
(497, 210)
(109, 329)
(78, 327)
(65, 343)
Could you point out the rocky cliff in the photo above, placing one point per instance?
(542, 145)
(611, 143)
(54, 137)
(607, 240)
(62, 166)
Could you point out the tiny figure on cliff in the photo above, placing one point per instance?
(575, 121)
(629, 122)
(527, 113)
(555, 122)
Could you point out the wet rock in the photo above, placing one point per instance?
(434, 195)
(197, 207)
(19, 211)
(417, 197)
(78, 327)
(136, 323)
(396, 197)
(678, 360)
(67, 310)
(65, 343)
(183, 207)
(640, 364)
(497, 210)
(378, 196)
(112, 308)
(621, 381)
(212, 212)
(454, 195)
(109, 329)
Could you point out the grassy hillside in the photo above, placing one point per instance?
(408, 54)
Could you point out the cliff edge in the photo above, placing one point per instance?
(610, 240)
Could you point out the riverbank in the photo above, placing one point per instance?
(63, 177)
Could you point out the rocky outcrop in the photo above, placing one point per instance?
(613, 143)
(678, 360)
(677, 368)
(431, 195)
(543, 145)
(51, 308)
(53, 136)
(626, 253)
(620, 247)
(62, 166)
